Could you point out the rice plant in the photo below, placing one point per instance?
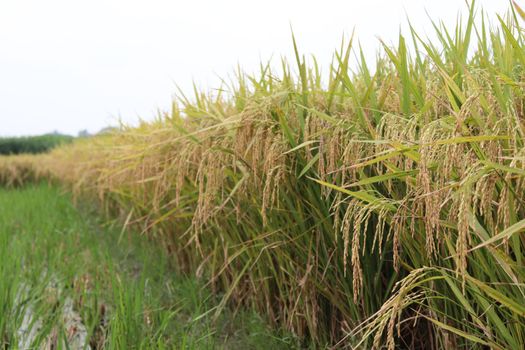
(373, 207)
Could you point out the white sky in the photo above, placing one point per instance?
(69, 65)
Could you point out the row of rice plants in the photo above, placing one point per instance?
(383, 206)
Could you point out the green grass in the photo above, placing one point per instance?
(124, 289)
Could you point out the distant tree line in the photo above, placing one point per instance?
(32, 144)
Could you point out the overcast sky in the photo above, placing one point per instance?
(69, 65)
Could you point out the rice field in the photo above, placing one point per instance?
(380, 206)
